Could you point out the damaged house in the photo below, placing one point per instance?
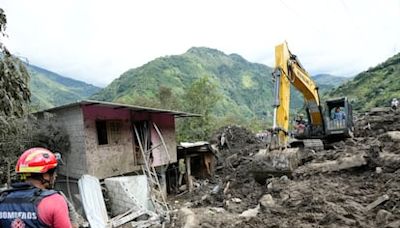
(108, 140)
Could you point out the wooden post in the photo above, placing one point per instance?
(189, 174)
(8, 173)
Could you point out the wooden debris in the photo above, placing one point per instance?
(378, 201)
(227, 187)
(395, 224)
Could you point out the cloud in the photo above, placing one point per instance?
(96, 41)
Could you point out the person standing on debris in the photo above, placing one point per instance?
(223, 140)
(33, 202)
(394, 104)
(182, 171)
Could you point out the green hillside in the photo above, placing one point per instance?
(374, 87)
(245, 87)
(50, 89)
(327, 82)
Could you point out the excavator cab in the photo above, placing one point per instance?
(338, 119)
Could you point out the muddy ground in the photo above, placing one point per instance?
(352, 183)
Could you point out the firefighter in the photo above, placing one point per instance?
(33, 202)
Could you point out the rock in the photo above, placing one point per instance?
(382, 217)
(284, 196)
(335, 165)
(250, 213)
(378, 170)
(188, 204)
(350, 142)
(269, 186)
(182, 188)
(236, 200)
(394, 135)
(267, 201)
(284, 178)
(395, 224)
(390, 161)
(189, 217)
(216, 189)
(218, 209)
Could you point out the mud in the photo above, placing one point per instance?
(364, 192)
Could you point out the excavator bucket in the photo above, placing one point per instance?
(274, 163)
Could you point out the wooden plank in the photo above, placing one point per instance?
(189, 174)
(378, 201)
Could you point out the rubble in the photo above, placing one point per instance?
(352, 183)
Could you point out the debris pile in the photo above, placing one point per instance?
(352, 183)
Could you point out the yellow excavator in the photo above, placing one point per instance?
(332, 120)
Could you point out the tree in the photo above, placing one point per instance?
(167, 98)
(200, 98)
(14, 99)
(14, 80)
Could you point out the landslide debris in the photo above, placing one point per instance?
(354, 183)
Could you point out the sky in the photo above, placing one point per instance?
(96, 40)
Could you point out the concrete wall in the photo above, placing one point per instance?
(110, 159)
(127, 192)
(71, 119)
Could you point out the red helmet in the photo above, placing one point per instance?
(36, 160)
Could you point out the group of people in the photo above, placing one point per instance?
(32, 202)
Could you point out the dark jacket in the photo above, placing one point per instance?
(18, 205)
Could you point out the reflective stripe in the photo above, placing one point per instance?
(36, 169)
(34, 153)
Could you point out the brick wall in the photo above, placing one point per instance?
(127, 192)
(111, 159)
(71, 119)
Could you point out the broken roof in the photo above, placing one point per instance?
(121, 106)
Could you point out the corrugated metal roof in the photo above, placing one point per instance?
(122, 106)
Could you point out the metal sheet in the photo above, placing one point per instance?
(93, 201)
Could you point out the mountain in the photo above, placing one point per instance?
(326, 82)
(246, 87)
(50, 89)
(374, 87)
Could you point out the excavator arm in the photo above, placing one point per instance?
(288, 71)
(282, 155)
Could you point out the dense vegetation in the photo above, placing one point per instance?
(50, 89)
(244, 88)
(238, 81)
(374, 87)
